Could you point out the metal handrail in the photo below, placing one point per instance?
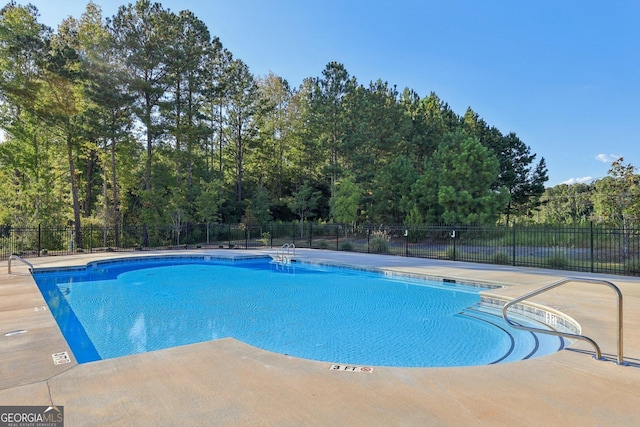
(286, 246)
(19, 259)
(620, 359)
(282, 258)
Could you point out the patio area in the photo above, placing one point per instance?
(227, 382)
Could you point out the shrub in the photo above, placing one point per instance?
(346, 245)
(632, 266)
(450, 252)
(195, 235)
(502, 258)
(322, 244)
(557, 259)
(266, 238)
(379, 246)
(379, 242)
(51, 238)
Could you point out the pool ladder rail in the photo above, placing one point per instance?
(598, 352)
(16, 257)
(284, 253)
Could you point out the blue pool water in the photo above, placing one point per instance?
(315, 312)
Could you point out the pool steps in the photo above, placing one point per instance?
(524, 344)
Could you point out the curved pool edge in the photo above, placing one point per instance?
(152, 256)
(546, 317)
(76, 336)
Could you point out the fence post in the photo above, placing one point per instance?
(229, 235)
(368, 240)
(246, 237)
(513, 242)
(337, 238)
(453, 237)
(406, 242)
(39, 238)
(310, 234)
(271, 235)
(90, 238)
(591, 243)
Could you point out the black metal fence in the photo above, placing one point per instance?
(590, 248)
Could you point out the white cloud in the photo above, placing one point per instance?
(607, 158)
(582, 180)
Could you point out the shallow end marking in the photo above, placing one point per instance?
(351, 368)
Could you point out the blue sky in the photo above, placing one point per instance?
(562, 74)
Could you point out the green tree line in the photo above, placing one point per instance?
(145, 118)
(613, 200)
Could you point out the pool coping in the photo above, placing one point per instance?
(250, 386)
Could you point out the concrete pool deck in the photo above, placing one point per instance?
(227, 382)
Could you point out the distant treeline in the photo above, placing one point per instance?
(613, 200)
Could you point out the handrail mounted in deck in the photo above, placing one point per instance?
(598, 355)
(16, 257)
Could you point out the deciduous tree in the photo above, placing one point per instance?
(617, 196)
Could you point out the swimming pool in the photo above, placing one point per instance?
(112, 309)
